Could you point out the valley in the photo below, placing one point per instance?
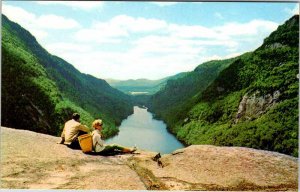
(142, 130)
(44, 90)
(203, 95)
(250, 100)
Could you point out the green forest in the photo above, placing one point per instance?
(249, 101)
(40, 91)
(204, 110)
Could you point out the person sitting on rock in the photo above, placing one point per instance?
(99, 146)
(72, 129)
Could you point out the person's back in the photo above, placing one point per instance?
(72, 129)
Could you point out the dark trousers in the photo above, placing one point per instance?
(75, 143)
(112, 149)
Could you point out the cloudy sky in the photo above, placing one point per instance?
(130, 40)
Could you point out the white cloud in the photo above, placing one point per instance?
(123, 26)
(131, 64)
(83, 5)
(138, 24)
(168, 54)
(251, 28)
(24, 18)
(153, 44)
(102, 33)
(192, 31)
(167, 45)
(118, 27)
(146, 44)
(17, 14)
(62, 48)
(38, 25)
(56, 22)
(294, 11)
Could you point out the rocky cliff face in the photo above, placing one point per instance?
(253, 105)
(34, 161)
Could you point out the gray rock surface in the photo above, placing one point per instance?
(31, 160)
(254, 105)
(206, 167)
(34, 161)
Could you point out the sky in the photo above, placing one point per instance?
(153, 40)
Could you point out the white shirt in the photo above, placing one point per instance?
(98, 143)
(72, 129)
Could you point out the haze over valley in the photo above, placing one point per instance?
(230, 81)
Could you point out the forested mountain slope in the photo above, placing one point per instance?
(177, 95)
(40, 91)
(252, 103)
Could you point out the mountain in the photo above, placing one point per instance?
(40, 91)
(253, 102)
(142, 86)
(177, 94)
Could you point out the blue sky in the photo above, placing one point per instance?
(130, 40)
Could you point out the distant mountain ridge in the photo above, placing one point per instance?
(253, 102)
(250, 100)
(177, 94)
(40, 91)
(142, 86)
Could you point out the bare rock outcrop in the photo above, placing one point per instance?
(34, 161)
(206, 167)
(254, 105)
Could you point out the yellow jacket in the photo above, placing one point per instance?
(71, 130)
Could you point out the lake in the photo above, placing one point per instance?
(146, 133)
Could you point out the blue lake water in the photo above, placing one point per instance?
(146, 133)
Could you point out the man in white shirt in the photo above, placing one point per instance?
(72, 129)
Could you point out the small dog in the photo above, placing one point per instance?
(157, 159)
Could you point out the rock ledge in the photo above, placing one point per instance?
(34, 161)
